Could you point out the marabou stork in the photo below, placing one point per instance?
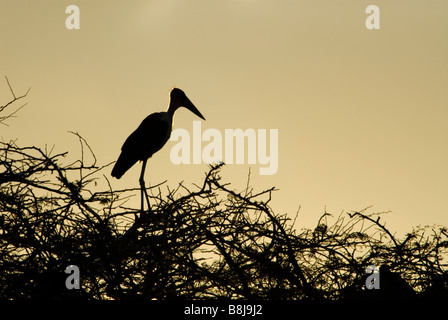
(150, 137)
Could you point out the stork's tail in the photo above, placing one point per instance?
(123, 164)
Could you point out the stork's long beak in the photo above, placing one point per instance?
(180, 99)
(190, 106)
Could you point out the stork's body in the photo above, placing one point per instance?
(151, 136)
(147, 139)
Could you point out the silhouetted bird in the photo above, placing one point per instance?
(151, 136)
(391, 287)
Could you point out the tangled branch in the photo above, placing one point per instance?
(3, 118)
(209, 242)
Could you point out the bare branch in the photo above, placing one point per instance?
(12, 114)
(199, 242)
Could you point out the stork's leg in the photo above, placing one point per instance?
(143, 192)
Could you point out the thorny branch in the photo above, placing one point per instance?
(3, 118)
(211, 242)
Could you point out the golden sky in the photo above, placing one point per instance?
(362, 115)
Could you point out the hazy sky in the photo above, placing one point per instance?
(362, 115)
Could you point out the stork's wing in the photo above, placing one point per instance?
(148, 138)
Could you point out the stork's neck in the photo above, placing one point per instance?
(172, 108)
(165, 116)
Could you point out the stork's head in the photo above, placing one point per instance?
(180, 99)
